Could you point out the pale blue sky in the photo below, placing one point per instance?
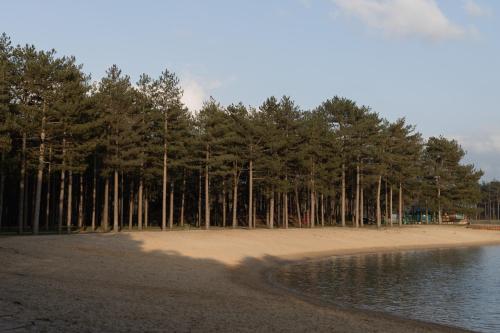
(436, 62)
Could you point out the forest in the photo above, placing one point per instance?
(113, 155)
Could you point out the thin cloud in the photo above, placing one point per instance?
(403, 18)
(472, 8)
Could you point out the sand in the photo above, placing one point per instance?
(199, 281)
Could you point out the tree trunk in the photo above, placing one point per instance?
(224, 203)
(285, 210)
(234, 209)
(379, 211)
(362, 205)
(254, 214)
(49, 187)
(164, 190)
(61, 201)
(250, 195)
(2, 188)
(120, 200)
(80, 204)
(115, 202)
(267, 215)
(94, 194)
(140, 198)
(105, 217)
(390, 205)
(39, 177)
(131, 207)
(297, 205)
(322, 210)
(27, 201)
(207, 198)
(198, 223)
(313, 210)
(440, 214)
(356, 217)
(271, 210)
(400, 204)
(20, 216)
(342, 210)
(426, 213)
(70, 202)
(146, 208)
(183, 199)
(386, 190)
(171, 208)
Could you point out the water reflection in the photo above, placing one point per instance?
(459, 287)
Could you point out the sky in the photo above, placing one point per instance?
(435, 62)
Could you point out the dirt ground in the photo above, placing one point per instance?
(183, 281)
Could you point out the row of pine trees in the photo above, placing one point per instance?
(116, 155)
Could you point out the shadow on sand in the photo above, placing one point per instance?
(110, 283)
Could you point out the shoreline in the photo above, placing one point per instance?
(225, 271)
(264, 278)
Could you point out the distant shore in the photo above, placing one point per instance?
(193, 280)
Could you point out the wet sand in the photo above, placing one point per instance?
(192, 280)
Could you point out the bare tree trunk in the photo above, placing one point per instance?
(386, 190)
(171, 209)
(254, 214)
(49, 187)
(105, 217)
(207, 198)
(183, 199)
(342, 210)
(356, 212)
(115, 202)
(426, 213)
(20, 216)
(198, 224)
(400, 204)
(440, 213)
(285, 210)
(94, 194)
(80, 204)
(120, 200)
(164, 190)
(131, 207)
(362, 204)
(297, 206)
(267, 215)
(390, 206)
(140, 198)
(61, 201)
(271, 210)
(146, 208)
(69, 207)
(39, 178)
(27, 201)
(250, 195)
(322, 210)
(224, 203)
(379, 211)
(234, 209)
(313, 210)
(2, 188)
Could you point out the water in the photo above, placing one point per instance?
(457, 287)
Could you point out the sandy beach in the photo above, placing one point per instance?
(200, 281)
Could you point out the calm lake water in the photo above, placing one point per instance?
(457, 287)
